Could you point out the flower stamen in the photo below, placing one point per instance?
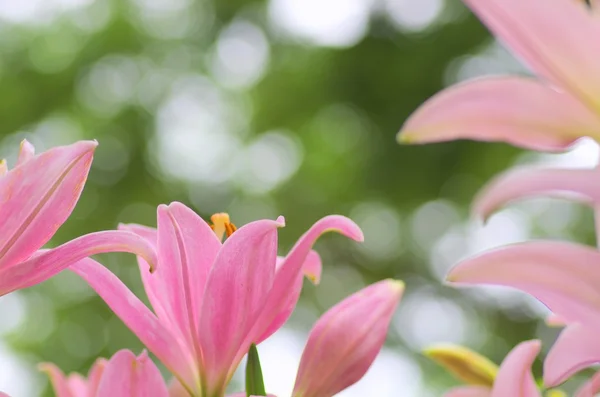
(221, 225)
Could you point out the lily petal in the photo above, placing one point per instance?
(48, 263)
(236, 290)
(312, 270)
(95, 374)
(519, 111)
(564, 276)
(517, 184)
(345, 341)
(514, 377)
(590, 388)
(187, 248)
(57, 379)
(167, 347)
(26, 152)
(154, 286)
(568, 59)
(576, 348)
(469, 391)
(38, 196)
(129, 376)
(176, 389)
(291, 269)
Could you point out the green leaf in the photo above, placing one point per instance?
(255, 385)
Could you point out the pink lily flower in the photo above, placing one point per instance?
(571, 280)
(36, 198)
(124, 375)
(514, 376)
(547, 114)
(211, 301)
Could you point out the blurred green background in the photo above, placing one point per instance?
(262, 108)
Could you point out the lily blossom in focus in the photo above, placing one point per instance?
(346, 340)
(211, 300)
(36, 198)
(546, 114)
(124, 375)
(484, 379)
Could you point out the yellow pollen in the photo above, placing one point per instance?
(221, 225)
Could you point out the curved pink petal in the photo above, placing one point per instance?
(57, 380)
(530, 29)
(564, 276)
(514, 377)
(576, 348)
(469, 391)
(187, 248)
(126, 375)
(78, 386)
(37, 197)
(312, 270)
(154, 286)
(590, 388)
(519, 111)
(292, 267)
(513, 185)
(346, 339)
(3, 394)
(95, 374)
(45, 265)
(167, 347)
(237, 287)
(26, 152)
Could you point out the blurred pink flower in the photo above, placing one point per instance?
(124, 375)
(547, 114)
(36, 198)
(211, 301)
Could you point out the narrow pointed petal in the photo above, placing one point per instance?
(187, 248)
(568, 60)
(515, 378)
(154, 286)
(57, 380)
(583, 184)
(576, 348)
(129, 376)
(590, 388)
(237, 287)
(564, 276)
(468, 366)
(95, 375)
(292, 267)
(345, 341)
(26, 152)
(45, 265)
(312, 270)
(552, 320)
(38, 196)
(139, 319)
(519, 111)
(469, 391)
(78, 385)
